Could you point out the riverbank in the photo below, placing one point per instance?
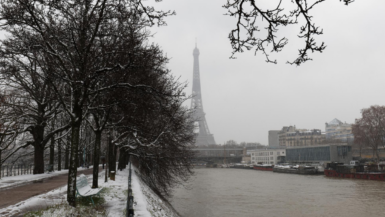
(113, 202)
(148, 204)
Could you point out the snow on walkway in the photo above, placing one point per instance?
(12, 181)
(146, 202)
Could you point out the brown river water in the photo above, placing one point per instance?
(229, 192)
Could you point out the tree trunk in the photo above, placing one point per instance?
(111, 158)
(127, 159)
(107, 149)
(52, 152)
(115, 156)
(38, 135)
(122, 159)
(72, 173)
(98, 139)
(38, 159)
(90, 159)
(59, 154)
(89, 150)
(0, 164)
(79, 153)
(67, 153)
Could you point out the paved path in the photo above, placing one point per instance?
(15, 195)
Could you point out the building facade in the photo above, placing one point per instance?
(268, 156)
(304, 138)
(337, 130)
(320, 154)
(274, 138)
(291, 137)
(282, 135)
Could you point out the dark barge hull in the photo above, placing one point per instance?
(296, 171)
(240, 167)
(269, 168)
(380, 176)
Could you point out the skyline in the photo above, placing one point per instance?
(246, 97)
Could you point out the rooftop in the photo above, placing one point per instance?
(335, 121)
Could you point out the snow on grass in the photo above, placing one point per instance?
(65, 210)
(53, 203)
(148, 204)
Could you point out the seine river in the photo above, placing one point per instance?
(241, 192)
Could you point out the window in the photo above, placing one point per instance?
(271, 153)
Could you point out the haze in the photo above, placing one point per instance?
(245, 98)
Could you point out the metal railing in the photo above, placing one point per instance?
(21, 169)
(16, 169)
(130, 197)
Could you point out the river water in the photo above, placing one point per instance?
(229, 192)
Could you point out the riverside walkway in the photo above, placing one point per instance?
(13, 195)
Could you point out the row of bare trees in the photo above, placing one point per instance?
(369, 130)
(67, 64)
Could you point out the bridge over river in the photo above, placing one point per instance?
(219, 154)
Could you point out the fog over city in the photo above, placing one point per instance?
(246, 97)
(145, 108)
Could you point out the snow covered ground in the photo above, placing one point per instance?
(35, 203)
(146, 202)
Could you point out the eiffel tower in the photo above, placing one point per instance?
(203, 136)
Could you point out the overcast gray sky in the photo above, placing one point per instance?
(245, 98)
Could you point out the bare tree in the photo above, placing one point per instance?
(30, 98)
(9, 130)
(71, 36)
(370, 129)
(162, 149)
(151, 125)
(249, 14)
(360, 140)
(84, 50)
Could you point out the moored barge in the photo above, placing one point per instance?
(302, 170)
(241, 166)
(263, 167)
(353, 172)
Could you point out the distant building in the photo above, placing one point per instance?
(282, 135)
(274, 138)
(305, 138)
(337, 130)
(291, 137)
(268, 156)
(317, 154)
